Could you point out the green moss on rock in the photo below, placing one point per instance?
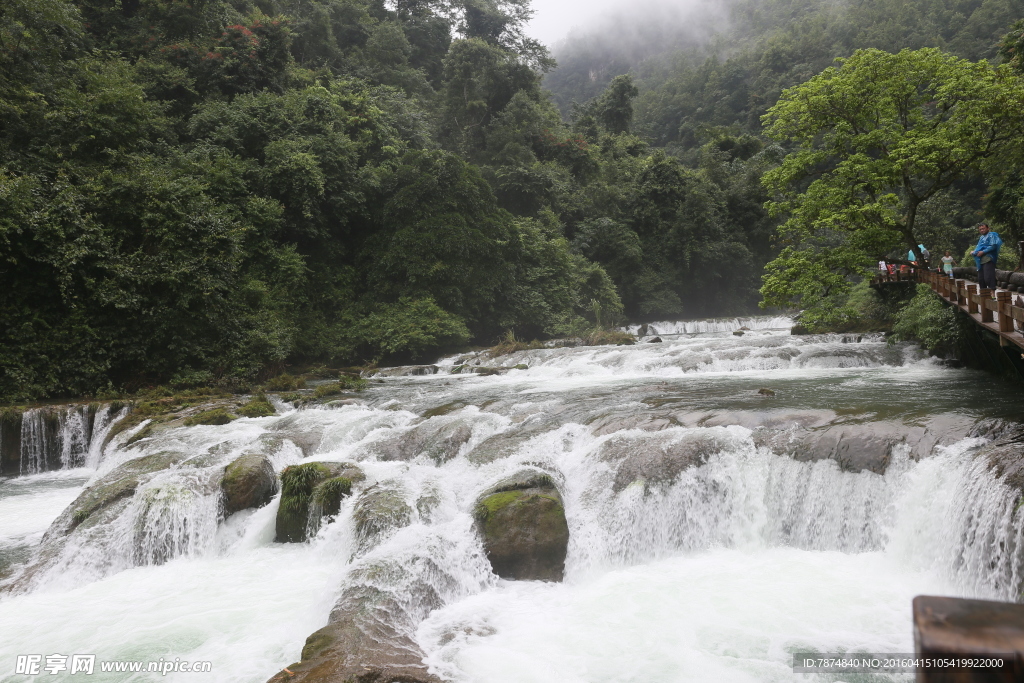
(299, 488)
(524, 530)
(249, 482)
(217, 416)
(120, 483)
(257, 406)
(328, 494)
(346, 383)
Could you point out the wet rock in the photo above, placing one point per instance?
(766, 392)
(10, 441)
(116, 486)
(304, 434)
(95, 509)
(249, 482)
(659, 459)
(738, 333)
(864, 446)
(380, 511)
(314, 485)
(609, 424)
(366, 640)
(450, 407)
(523, 526)
(654, 340)
(1005, 457)
(439, 440)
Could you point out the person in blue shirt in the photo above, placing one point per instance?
(985, 256)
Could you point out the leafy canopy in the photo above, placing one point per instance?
(875, 139)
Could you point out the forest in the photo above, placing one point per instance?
(198, 192)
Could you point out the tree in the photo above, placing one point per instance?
(614, 109)
(876, 138)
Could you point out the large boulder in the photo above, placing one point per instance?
(316, 486)
(367, 639)
(860, 446)
(249, 482)
(657, 460)
(522, 522)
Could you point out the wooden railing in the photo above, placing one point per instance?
(994, 310)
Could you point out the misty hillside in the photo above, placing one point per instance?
(725, 66)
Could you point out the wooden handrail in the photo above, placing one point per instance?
(995, 310)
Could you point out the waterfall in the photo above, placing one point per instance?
(708, 522)
(55, 437)
(673, 327)
(39, 439)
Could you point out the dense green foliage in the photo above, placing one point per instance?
(199, 192)
(926, 319)
(874, 139)
(204, 192)
(852, 191)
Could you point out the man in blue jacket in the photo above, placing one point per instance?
(985, 256)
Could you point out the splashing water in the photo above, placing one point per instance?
(699, 550)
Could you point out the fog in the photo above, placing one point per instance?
(556, 20)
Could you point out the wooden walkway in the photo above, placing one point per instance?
(993, 310)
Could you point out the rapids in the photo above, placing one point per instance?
(778, 541)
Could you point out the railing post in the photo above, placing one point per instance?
(972, 305)
(1005, 321)
(986, 297)
(961, 288)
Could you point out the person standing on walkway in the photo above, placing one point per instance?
(985, 256)
(947, 264)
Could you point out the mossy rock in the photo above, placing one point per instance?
(524, 530)
(346, 383)
(328, 494)
(362, 643)
(299, 484)
(249, 482)
(257, 406)
(285, 383)
(217, 416)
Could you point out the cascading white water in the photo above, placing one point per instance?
(672, 327)
(73, 437)
(697, 552)
(36, 441)
(63, 437)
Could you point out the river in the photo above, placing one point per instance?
(774, 544)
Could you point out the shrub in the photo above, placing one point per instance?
(284, 382)
(257, 406)
(926, 320)
(346, 383)
(217, 416)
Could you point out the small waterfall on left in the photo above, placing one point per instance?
(55, 437)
